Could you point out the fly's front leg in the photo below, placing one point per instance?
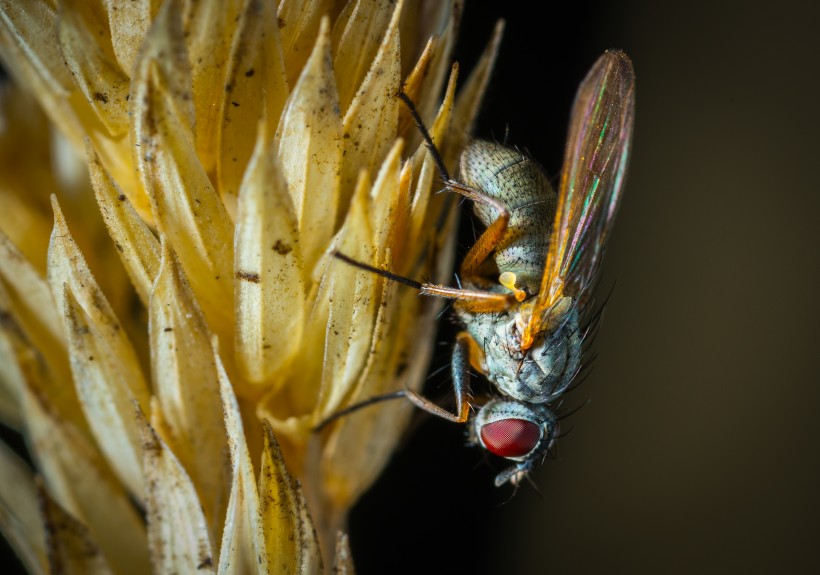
(461, 388)
(460, 366)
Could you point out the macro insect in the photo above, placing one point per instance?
(526, 283)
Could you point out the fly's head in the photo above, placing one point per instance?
(518, 431)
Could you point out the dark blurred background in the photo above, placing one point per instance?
(698, 452)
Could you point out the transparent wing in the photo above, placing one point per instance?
(591, 180)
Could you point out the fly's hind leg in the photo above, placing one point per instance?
(494, 233)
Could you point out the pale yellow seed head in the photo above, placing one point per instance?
(172, 325)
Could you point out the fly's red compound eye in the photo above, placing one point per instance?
(510, 437)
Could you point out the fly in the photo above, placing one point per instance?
(527, 280)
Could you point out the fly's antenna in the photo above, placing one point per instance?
(428, 140)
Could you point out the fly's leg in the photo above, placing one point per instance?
(494, 233)
(476, 301)
(356, 407)
(460, 366)
(490, 237)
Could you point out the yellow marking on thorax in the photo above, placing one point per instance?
(507, 279)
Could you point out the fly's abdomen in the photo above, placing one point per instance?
(520, 183)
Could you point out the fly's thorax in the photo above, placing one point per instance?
(536, 375)
(515, 430)
(519, 182)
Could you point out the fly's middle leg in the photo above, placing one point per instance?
(476, 301)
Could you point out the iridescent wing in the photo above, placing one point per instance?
(591, 180)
